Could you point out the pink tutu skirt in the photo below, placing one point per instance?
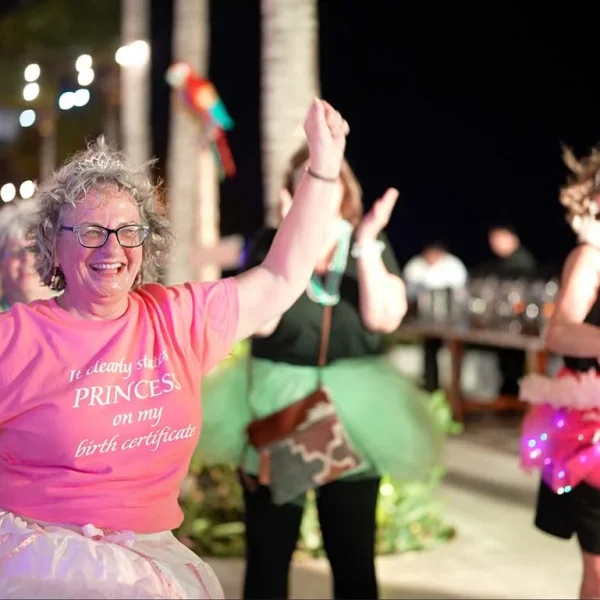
(561, 432)
(61, 561)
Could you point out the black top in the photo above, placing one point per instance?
(585, 364)
(297, 337)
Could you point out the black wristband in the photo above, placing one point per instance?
(321, 177)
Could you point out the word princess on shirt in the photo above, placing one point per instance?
(127, 393)
(98, 395)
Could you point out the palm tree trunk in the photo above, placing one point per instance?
(191, 174)
(111, 97)
(135, 84)
(47, 131)
(289, 82)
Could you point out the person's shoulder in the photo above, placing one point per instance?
(584, 252)
(32, 310)
(416, 262)
(152, 289)
(22, 318)
(583, 260)
(157, 289)
(453, 260)
(528, 255)
(158, 294)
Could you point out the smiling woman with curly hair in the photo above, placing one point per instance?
(100, 411)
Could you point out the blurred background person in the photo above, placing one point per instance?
(20, 280)
(512, 260)
(434, 269)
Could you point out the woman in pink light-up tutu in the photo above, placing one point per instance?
(561, 433)
(100, 413)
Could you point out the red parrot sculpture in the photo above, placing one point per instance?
(203, 100)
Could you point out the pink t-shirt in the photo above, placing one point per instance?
(99, 419)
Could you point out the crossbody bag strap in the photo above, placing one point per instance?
(324, 345)
(322, 359)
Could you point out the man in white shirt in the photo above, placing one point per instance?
(434, 269)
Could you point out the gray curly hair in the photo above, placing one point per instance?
(99, 166)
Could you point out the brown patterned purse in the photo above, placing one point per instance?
(304, 445)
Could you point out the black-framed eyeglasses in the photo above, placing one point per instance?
(95, 236)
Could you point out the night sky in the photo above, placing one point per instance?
(463, 110)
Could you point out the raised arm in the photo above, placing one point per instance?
(567, 334)
(382, 295)
(268, 290)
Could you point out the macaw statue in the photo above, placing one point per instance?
(201, 97)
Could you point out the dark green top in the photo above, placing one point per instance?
(520, 263)
(297, 337)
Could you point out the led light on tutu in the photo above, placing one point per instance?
(566, 456)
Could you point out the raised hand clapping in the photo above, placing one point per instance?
(375, 221)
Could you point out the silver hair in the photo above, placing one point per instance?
(15, 221)
(99, 166)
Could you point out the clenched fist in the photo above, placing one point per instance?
(326, 132)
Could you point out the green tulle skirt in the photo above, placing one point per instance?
(396, 428)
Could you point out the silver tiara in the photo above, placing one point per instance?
(98, 163)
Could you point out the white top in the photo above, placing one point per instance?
(447, 272)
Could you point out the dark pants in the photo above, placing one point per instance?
(511, 364)
(512, 368)
(347, 519)
(431, 378)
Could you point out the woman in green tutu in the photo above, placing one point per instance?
(386, 417)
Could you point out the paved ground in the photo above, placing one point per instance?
(497, 552)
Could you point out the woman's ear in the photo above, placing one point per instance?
(285, 202)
